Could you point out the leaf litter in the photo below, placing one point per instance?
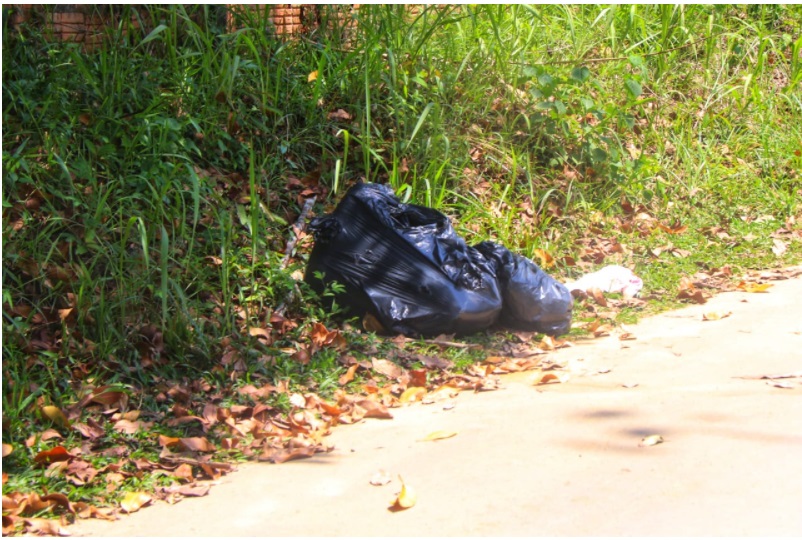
(264, 433)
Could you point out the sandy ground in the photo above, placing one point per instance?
(562, 459)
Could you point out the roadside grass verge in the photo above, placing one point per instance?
(149, 188)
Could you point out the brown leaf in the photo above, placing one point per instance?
(41, 526)
(549, 378)
(417, 377)
(434, 362)
(281, 455)
(46, 435)
(86, 511)
(348, 376)
(772, 377)
(197, 444)
(387, 368)
(677, 228)
(79, 472)
(598, 296)
(255, 331)
(339, 114)
(129, 427)
(374, 409)
(193, 490)
(90, 430)
(108, 397)
(164, 440)
(59, 453)
(183, 471)
(692, 293)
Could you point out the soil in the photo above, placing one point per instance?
(564, 459)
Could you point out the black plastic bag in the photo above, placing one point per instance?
(532, 299)
(405, 265)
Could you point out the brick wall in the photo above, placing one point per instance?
(85, 23)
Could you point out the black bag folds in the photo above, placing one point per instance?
(405, 265)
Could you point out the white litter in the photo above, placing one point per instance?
(610, 279)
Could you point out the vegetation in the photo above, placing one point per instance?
(150, 185)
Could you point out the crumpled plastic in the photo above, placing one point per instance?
(405, 265)
(610, 279)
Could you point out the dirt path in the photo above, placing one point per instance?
(562, 459)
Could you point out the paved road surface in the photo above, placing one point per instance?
(562, 459)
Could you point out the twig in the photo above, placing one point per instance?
(297, 229)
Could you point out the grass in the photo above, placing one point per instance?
(149, 185)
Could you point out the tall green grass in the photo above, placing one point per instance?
(145, 184)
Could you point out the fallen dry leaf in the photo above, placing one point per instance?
(56, 416)
(47, 527)
(413, 393)
(255, 331)
(438, 435)
(387, 368)
(753, 287)
(545, 259)
(374, 409)
(197, 444)
(380, 478)
(59, 453)
(651, 440)
(598, 296)
(280, 455)
(129, 427)
(715, 315)
(348, 376)
(339, 114)
(441, 393)
(134, 500)
(779, 384)
(779, 248)
(692, 294)
(772, 377)
(549, 378)
(406, 498)
(298, 400)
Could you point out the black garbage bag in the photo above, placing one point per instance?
(532, 299)
(405, 265)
